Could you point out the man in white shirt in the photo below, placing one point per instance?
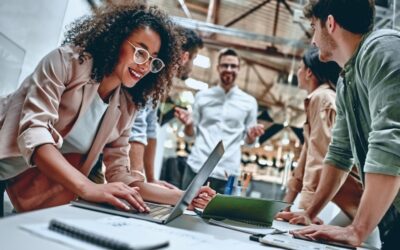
(223, 112)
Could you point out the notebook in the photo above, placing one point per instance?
(163, 213)
(98, 234)
(245, 209)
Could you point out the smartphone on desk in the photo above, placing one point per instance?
(330, 243)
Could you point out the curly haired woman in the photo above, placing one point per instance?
(79, 103)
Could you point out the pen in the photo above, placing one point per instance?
(256, 237)
(247, 180)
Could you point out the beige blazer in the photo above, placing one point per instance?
(49, 101)
(321, 113)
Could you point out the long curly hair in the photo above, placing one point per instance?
(102, 34)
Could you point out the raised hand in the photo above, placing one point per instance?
(184, 116)
(254, 132)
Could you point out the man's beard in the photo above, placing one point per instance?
(326, 54)
(228, 79)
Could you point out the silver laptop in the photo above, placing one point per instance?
(164, 213)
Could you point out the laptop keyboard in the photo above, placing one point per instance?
(156, 211)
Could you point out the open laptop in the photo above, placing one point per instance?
(164, 213)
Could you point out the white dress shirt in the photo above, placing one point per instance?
(221, 116)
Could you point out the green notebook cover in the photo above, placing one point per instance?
(250, 210)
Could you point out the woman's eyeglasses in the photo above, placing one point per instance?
(141, 56)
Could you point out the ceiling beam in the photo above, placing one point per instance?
(276, 19)
(197, 8)
(266, 85)
(287, 6)
(185, 9)
(263, 64)
(237, 33)
(212, 12)
(245, 14)
(263, 51)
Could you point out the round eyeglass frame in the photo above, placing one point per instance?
(146, 59)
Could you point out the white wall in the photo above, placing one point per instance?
(36, 26)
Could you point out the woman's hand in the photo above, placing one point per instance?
(299, 218)
(117, 194)
(204, 196)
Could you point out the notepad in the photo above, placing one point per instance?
(87, 232)
(95, 234)
(250, 210)
(244, 227)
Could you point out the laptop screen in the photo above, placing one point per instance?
(198, 181)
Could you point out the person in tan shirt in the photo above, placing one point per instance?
(80, 102)
(317, 78)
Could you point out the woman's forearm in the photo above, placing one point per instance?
(156, 193)
(53, 164)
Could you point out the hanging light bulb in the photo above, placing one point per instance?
(285, 138)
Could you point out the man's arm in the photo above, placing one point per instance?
(380, 191)
(252, 129)
(148, 160)
(143, 145)
(190, 119)
(253, 133)
(138, 139)
(186, 118)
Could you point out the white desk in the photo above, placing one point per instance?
(12, 237)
